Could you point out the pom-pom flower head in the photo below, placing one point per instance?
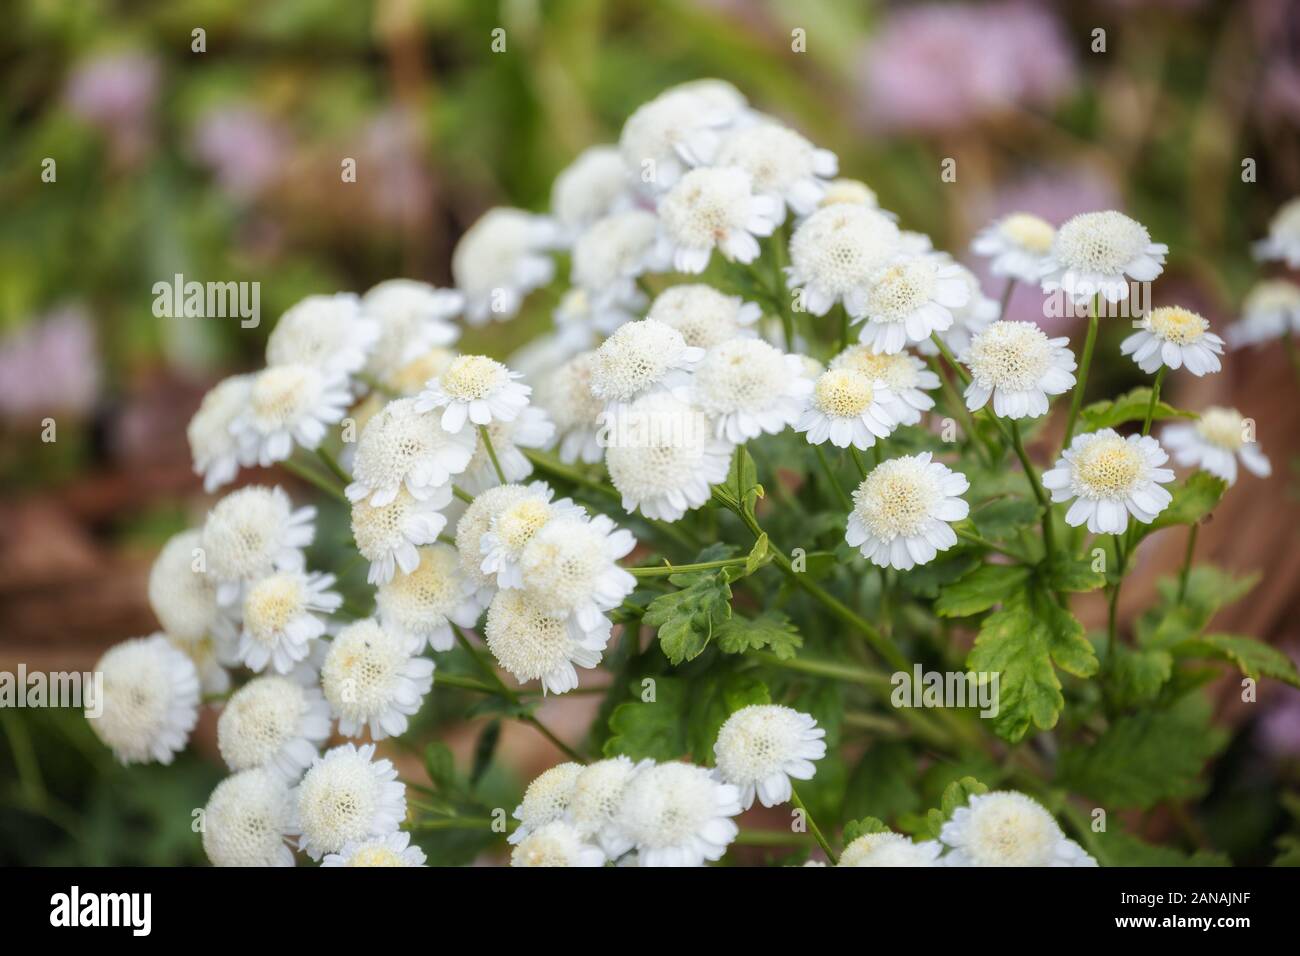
(1271, 310)
(1283, 240)
(835, 252)
(1098, 253)
(288, 404)
(413, 319)
(566, 397)
(593, 805)
(610, 255)
(909, 300)
(393, 849)
(1216, 442)
(639, 358)
(477, 389)
(761, 747)
(372, 680)
(1174, 337)
(556, 844)
(273, 722)
(216, 450)
(679, 815)
(533, 643)
(715, 208)
(423, 605)
(282, 616)
(390, 536)
(346, 796)
(749, 388)
(327, 332)
(1004, 828)
(546, 799)
(590, 188)
(665, 137)
(890, 849)
(150, 700)
(906, 375)
(471, 527)
(183, 599)
(499, 260)
(1110, 477)
(513, 526)
(1019, 366)
(848, 408)
(252, 532)
(902, 511)
(247, 820)
(402, 447)
(704, 316)
(1016, 245)
(570, 566)
(782, 165)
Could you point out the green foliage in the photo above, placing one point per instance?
(1193, 500)
(654, 729)
(688, 617)
(957, 794)
(860, 828)
(771, 631)
(981, 589)
(1130, 407)
(1117, 848)
(883, 784)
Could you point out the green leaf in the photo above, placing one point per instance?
(440, 765)
(655, 729)
(758, 555)
(1138, 675)
(1005, 517)
(1253, 658)
(1117, 848)
(987, 585)
(484, 750)
(860, 828)
(1075, 575)
(1193, 500)
(955, 795)
(883, 783)
(1018, 647)
(1067, 642)
(771, 630)
(926, 579)
(1175, 621)
(1129, 407)
(741, 490)
(712, 701)
(687, 618)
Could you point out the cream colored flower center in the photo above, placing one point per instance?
(471, 377)
(1101, 242)
(375, 856)
(1029, 232)
(271, 604)
(1108, 467)
(844, 393)
(283, 392)
(1011, 355)
(896, 499)
(897, 369)
(1222, 427)
(901, 289)
(1178, 325)
(410, 378)
(517, 524)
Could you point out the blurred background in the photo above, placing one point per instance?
(225, 165)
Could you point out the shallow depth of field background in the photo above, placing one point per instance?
(225, 166)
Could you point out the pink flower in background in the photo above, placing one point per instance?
(943, 66)
(1278, 730)
(401, 188)
(49, 366)
(245, 149)
(115, 93)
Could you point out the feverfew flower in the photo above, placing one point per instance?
(251, 533)
(1270, 311)
(714, 207)
(511, 528)
(413, 318)
(1110, 477)
(906, 375)
(273, 722)
(473, 524)
(663, 138)
(499, 260)
(612, 252)
(703, 315)
(216, 451)
(782, 165)
(183, 599)
(546, 800)
(1283, 241)
(373, 681)
(749, 388)
(327, 332)
(902, 511)
(555, 844)
(908, 300)
(346, 796)
(835, 252)
(570, 566)
(288, 404)
(1019, 366)
(422, 606)
(531, 429)
(282, 616)
(390, 536)
(761, 747)
(968, 320)
(247, 819)
(679, 815)
(639, 358)
(400, 447)
(1017, 246)
(534, 644)
(848, 408)
(594, 802)
(474, 388)
(1173, 336)
(590, 188)
(394, 849)
(890, 849)
(1215, 442)
(150, 700)
(1005, 828)
(854, 192)
(1097, 253)
(566, 397)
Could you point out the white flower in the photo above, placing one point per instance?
(394, 849)
(612, 252)
(546, 800)
(835, 252)
(749, 388)
(906, 375)
(474, 388)
(555, 844)
(719, 95)
(531, 429)
(1019, 366)
(422, 606)
(1173, 336)
(330, 333)
(581, 318)
(273, 722)
(1005, 828)
(247, 820)
(209, 655)
(499, 260)
(400, 447)
(850, 191)
(150, 700)
(473, 524)
(533, 644)
(902, 509)
(346, 796)
(282, 616)
(1097, 253)
(968, 320)
(566, 397)
(1215, 442)
(413, 317)
(1017, 244)
(679, 815)
(908, 300)
(288, 404)
(1110, 477)
(714, 207)
(639, 358)
(594, 802)
(848, 408)
(589, 188)
(511, 528)
(703, 315)
(1270, 311)
(216, 451)
(570, 566)
(251, 533)
(373, 680)
(665, 137)
(663, 458)
(761, 747)
(183, 599)
(390, 536)
(890, 849)
(1283, 241)
(781, 163)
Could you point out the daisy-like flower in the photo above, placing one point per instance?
(761, 747)
(511, 528)
(1270, 311)
(216, 451)
(640, 358)
(1019, 366)
(327, 332)
(394, 849)
(1098, 253)
(534, 644)
(531, 429)
(546, 799)
(565, 395)
(273, 722)
(679, 815)
(890, 849)
(665, 137)
(1110, 477)
(968, 320)
(713, 207)
(848, 408)
(593, 805)
(477, 389)
(703, 315)
(835, 252)
(209, 655)
(373, 680)
(413, 318)
(247, 820)
(1173, 336)
(749, 388)
(401, 447)
(499, 260)
(909, 299)
(906, 375)
(663, 457)
(182, 595)
(590, 188)
(473, 524)
(782, 165)
(1005, 828)
(1215, 442)
(150, 700)
(288, 404)
(612, 252)
(422, 606)
(851, 192)
(282, 616)
(1283, 240)
(346, 796)
(581, 318)
(390, 536)
(1016, 245)
(903, 509)
(251, 533)
(555, 844)
(570, 566)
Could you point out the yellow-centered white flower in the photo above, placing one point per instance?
(216, 451)
(847, 408)
(556, 844)
(641, 358)
(395, 849)
(835, 252)
(511, 528)
(704, 316)
(1216, 442)
(373, 680)
(1270, 311)
(422, 606)
(782, 164)
(288, 404)
(273, 722)
(401, 447)
(476, 389)
(533, 643)
(566, 396)
(749, 388)
(1005, 828)
(589, 188)
(910, 299)
(905, 374)
(1017, 246)
(1098, 253)
(762, 747)
(390, 536)
(330, 333)
(183, 596)
(903, 509)
(282, 614)
(247, 820)
(346, 796)
(1019, 367)
(593, 805)
(251, 533)
(414, 318)
(546, 799)
(714, 207)
(890, 849)
(665, 137)
(1174, 337)
(679, 815)
(1110, 477)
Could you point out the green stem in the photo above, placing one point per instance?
(313, 477)
(1006, 295)
(1112, 607)
(442, 678)
(1000, 549)
(959, 406)
(1043, 502)
(451, 823)
(492, 453)
(1187, 563)
(858, 462)
(946, 352)
(1076, 400)
(667, 569)
(1155, 398)
(845, 502)
(812, 825)
(335, 468)
(844, 327)
(462, 494)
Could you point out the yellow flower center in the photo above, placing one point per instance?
(1222, 427)
(1108, 467)
(1029, 232)
(1178, 325)
(844, 393)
